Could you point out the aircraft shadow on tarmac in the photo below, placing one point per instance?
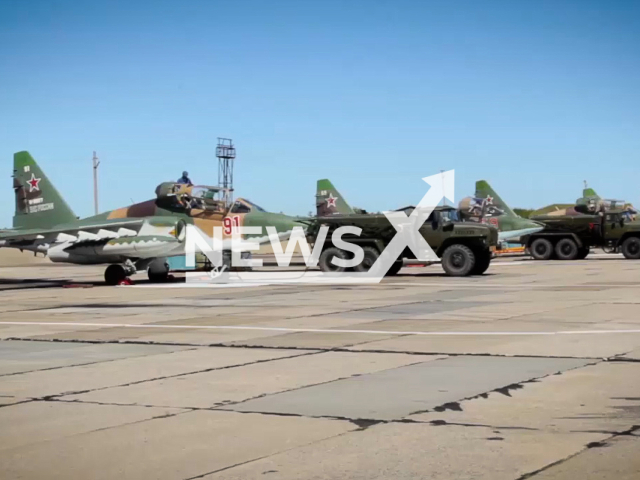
(18, 284)
(24, 283)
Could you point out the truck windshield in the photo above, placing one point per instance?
(451, 215)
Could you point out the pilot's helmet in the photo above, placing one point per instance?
(185, 174)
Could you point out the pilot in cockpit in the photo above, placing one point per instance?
(184, 179)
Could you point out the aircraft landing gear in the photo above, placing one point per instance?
(158, 270)
(115, 274)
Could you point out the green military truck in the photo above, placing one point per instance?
(465, 248)
(569, 237)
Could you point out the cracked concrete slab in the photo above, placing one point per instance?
(182, 446)
(8, 332)
(189, 336)
(120, 372)
(210, 389)
(35, 422)
(396, 393)
(603, 397)
(424, 308)
(580, 346)
(616, 459)
(323, 340)
(24, 356)
(410, 451)
(633, 355)
(6, 400)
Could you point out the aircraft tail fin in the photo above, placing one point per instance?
(329, 201)
(491, 199)
(38, 203)
(590, 192)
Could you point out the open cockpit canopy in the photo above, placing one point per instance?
(242, 205)
(177, 195)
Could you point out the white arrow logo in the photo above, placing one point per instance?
(407, 227)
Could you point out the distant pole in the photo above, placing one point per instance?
(443, 192)
(95, 181)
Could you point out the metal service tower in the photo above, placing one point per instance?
(226, 153)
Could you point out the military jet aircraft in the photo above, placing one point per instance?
(129, 239)
(589, 204)
(487, 207)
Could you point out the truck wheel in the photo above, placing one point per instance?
(631, 248)
(324, 262)
(458, 260)
(541, 249)
(371, 254)
(566, 249)
(395, 268)
(582, 253)
(483, 260)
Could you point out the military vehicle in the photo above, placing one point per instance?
(465, 248)
(569, 237)
(129, 239)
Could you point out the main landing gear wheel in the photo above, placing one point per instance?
(325, 263)
(541, 249)
(631, 248)
(458, 260)
(567, 249)
(114, 274)
(158, 271)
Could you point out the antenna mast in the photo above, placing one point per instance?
(96, 163)
(226, 153)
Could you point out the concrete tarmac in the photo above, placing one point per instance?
(530, 371)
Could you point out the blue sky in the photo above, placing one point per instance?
(534, 97)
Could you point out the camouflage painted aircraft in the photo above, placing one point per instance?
(589, 204)
(487, 207)
(329, 201)
(138, 237)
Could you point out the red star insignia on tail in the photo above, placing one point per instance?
(34, 183)
(489, 200)
(331, 200)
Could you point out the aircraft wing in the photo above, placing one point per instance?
(90, 242)
(515, 235)
(106, 229)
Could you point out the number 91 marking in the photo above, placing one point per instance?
(230, 223)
